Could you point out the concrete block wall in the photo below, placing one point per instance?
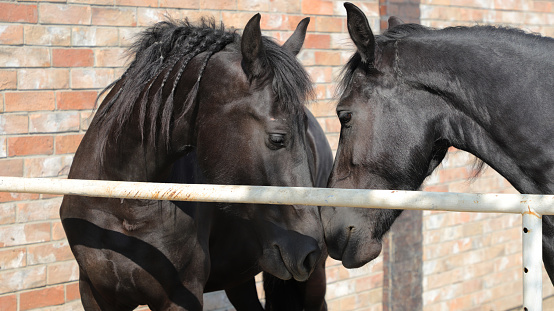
(56, 55)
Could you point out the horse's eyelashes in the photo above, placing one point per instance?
(345, 117)
(277, 140)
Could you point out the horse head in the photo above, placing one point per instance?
(250, 128)
(387, 140)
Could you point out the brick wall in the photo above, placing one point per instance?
(56, 55)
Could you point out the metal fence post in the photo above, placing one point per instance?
(532, 261)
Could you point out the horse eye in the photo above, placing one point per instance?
(277, 140)
(345, 117)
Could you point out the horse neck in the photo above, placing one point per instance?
(484, 97)
(130, 156)
(475, 73)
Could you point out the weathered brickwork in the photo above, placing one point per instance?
(471, 260)
(56, 55)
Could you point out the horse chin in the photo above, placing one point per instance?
(272, 262)
(356, 254)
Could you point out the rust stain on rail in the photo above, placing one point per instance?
(530, 212)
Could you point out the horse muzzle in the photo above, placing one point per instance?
(348, 241)
(295, 259)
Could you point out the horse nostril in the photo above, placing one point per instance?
(310, 261)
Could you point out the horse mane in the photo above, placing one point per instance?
(489, 32)
(161, 54)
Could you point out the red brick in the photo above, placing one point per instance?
(47, 35)
(218, 5)
(12, 258)
(436, 188)
(327, 58)
(38, 210)
(54, 122)
(453, 174)
(322, 108)
(29, 101)
(64, 14)
(329, 24)
(542, 6)
(33, 79)
(317, 7)
(48, 253)
(332, 125)
(237, 20)
(68, 143)
(57, 231)
(76, 100)
(11, 167)
(320, 74)
(9, 197)
(50, 296)
(52, 166)
(94, 36)
(285, 6)
(26, 13)
(8, 303)
(114, 16)
(91, 78)
(148, 3)
(21, 279)
(8, 79)
(114, 57)
(30, 145)
(22, 234)
(72, 291)
(24, 57)
(317, 41)
(282, 22)
(72, 58)
(253, 5)
(11, 34)
(181, 4)
(62, 272)
(86, 118)
(14, 124)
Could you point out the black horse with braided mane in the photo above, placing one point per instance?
(201, 104)
(412, 92)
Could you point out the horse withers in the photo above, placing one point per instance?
(237, 104)
(412, 92)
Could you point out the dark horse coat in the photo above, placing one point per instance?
(411, 93)
(237, 103)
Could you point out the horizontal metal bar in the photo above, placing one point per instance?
(391, 199)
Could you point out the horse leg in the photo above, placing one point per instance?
(293, 295)
(92, 300)
(244, 296)
(314, 289)
(87, 295)
(548, 245)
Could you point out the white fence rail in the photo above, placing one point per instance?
(532, 207)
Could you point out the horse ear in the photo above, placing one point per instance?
(296, 40)
(252, 47)
(360, 32)
(394, 21)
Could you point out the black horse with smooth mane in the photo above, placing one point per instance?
(412, 92)
(201, 104)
